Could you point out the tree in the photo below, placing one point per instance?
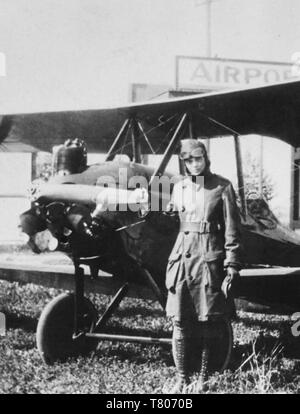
(43, 166)
(252, 179)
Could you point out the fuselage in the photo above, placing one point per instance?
(149, 241)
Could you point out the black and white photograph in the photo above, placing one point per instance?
(149, 199)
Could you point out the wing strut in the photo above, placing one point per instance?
(169, 151)
(136, 143)
(240, 176)
(122, 133)
(145, 136)
(132, 125)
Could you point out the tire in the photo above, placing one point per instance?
(55, 329)
(220, 347)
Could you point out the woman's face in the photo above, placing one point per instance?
(196, 165)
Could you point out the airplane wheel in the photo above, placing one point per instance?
(220, 344)
(55, 330)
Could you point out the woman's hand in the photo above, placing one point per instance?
(232, 276)
(232, 273)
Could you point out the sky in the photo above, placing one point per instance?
(63, 54)
(80, 54)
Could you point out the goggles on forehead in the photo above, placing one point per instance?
(197, 152)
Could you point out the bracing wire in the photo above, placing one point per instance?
(147, 132)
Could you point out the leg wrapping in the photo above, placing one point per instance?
(205, 357)
(180, 349)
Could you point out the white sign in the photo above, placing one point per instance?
(208, 73)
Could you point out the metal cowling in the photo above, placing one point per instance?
(69, 158)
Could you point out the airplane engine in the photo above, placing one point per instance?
(32, 224)
(72, 229)
(69, 158)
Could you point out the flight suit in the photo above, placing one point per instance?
(209, 238)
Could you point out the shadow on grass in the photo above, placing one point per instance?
(136, 353)
(265, 343)
(143, 311)
(16, 321)
(263, 323)
(266, 346)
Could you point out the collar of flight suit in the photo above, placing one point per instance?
(188, 179)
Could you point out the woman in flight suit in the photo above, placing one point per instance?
(208, 240)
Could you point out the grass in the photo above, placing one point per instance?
(265, 356)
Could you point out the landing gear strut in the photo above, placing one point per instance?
(69, 325)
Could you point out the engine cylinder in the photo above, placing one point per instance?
(69, 158)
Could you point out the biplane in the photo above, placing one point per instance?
(134, 245)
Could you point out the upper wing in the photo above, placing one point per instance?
(270, 111)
